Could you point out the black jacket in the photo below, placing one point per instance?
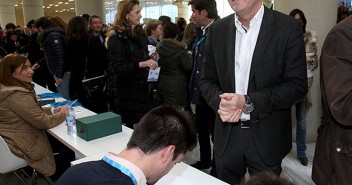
(125, 52)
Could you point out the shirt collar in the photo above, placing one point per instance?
(137, 172)
(96, 34)
(257, 19)
(205, 27)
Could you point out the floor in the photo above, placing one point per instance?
(291, 168)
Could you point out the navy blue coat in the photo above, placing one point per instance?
(53, 42)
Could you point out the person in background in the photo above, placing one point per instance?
(11, 42)
(204, 14)
(80, 46)
(52, 40)
(3, 52)
(97, 59)
(175, 65)
(190, 35)
(255, 70)
(159, 141)
(332, 162)
(86, 16)
(181, 24)
(36, 57)
(106, 27)
(342, 12)
(127, 47)
(304, 104)
(58, 22)
(77, 40)
(22, 38)
(10, 26)
(154, 31)
(2, 35)
(96, 28)
(164, 19)
(23, 122)
(98, 52)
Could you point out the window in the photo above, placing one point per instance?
(150, 9)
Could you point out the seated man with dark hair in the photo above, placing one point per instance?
(158, 142)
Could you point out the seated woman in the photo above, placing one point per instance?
(23, 122)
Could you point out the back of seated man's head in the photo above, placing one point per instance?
(161, 127)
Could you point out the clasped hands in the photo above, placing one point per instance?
(230, 108)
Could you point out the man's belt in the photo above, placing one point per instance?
(243, 124)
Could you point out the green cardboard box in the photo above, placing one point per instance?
(97, 126)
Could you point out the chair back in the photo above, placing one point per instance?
(8, 161)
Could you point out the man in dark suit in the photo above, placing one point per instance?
(97, 60)
(254, 71)
(98, 52)
(204, 14)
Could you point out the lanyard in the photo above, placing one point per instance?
(201, 40)
(123, 169)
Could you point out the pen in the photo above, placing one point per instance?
(73, 102)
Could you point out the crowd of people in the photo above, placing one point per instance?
(243, 74)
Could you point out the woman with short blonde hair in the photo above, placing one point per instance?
(154, 31)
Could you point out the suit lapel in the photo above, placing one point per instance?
(230, 48)
(265, 33)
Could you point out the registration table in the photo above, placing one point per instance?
(181, 174)
(81, 147)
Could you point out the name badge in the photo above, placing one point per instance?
(153, 75)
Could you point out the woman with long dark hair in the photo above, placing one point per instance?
(79, 45)
(77, 37)
(304, 104)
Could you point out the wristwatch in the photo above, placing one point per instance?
(248, 105)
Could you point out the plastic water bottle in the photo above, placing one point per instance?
(71, 121)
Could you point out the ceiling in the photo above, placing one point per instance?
(51, 6)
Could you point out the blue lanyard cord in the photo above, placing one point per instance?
(201, 40)
(123, 169)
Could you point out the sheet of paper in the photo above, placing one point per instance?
(171, 179)
(78, 111)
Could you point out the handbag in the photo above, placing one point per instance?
(95, 89)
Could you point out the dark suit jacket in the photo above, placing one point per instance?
(278, 78)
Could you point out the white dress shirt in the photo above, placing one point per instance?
(246, 40)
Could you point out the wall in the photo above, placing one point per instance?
(321, 17)
(19, 16)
